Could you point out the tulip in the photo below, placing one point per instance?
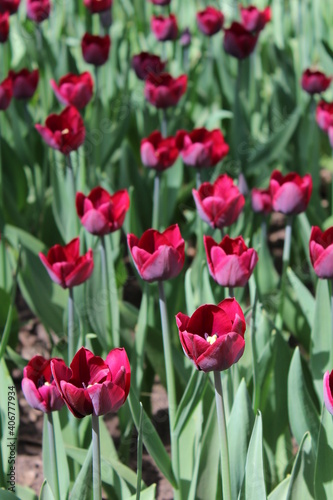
(64, 132)
(315, 82)
(74, 90)
(261, 201)
(327, 389)
(4, 26)
(157, 152)
(210, 21)
(101, 213)
(145, 64)
(158, 256)
(213, 337)
(164, 28)
(65, 266)
(38, 10)
(324, 115)
(185, 38)
(38, 386)
(201, 147)
(290, 193)
(92, 385)
(163, 90)
(238, 41)
(10, 6)
(321, 252)
(254, 19)
(230, 262)
(96, 6)
(95, 49)
(24, 83)
(219, 204)
(160, 2)
(6, 93)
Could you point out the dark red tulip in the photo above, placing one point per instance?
(10, 6)
(210, 21)
(95, 49)
(100, 212)
(65, 266)
(163, 90)
(24, 83)
(6, 93)
(158, 256)
(38, 386)
(261, 201)
(145, 64)
(328, 391)
(74, 90)
(254, 19)
(164, 28)
(96, 6)
(290, 193)
(238, 41)
(315, 82)
(4, 26)
(213, 337)
(65, 131)
(158, 152)
(324, 115)
(201, 147)
(92, 385)
(38, 10)
(321, 252)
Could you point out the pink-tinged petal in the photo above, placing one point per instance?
(52, 397)
(76, 399)
(95, 222)
(327, 389)
(323, 265)
(48, 136)
(231, 307)
(58, 93)
(193, 345)
(165, 263)
(120, 369)
(32, 395)
(106, 397)
(287, 198)
(82, 271)
(225, 351)
(51, 272)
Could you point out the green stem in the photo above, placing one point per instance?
(71, 336)
(105, 284)
(256, 390)
(71, 175)
(231, 291)
(285, 264)
(164, 123)
(2, 472)
(139, 456)
(112, 295)
(156, 200)
(97, 483)
(170, 380)
(8, 325)
(223, 436)
(53, 456)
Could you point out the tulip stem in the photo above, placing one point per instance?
(225, 468)
(285, 264)
(256, 391)
(170, 380)
(71, 339)
(156, 201)
(139, 456)
(231, 291)
(53, 456)
(164, 123)
(97, 483)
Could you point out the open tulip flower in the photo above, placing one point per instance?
(210, 21)
(24, 83)
(324, 115)
(163, 90)
(328, 391)
(201, 148)
(164, 28)
(100, 212)
(254, 19)
(65, 266)
(95, 49)
(145, 64)
(230, 262)
(10, 6)
(96, 6)
(4, 26)
(290, 193)
(158, 256)
(74, 90)
(315, 82)
(39, 387)
(92, 385)
(158, 152)
(321, 252)
(6, 93)
(38, 10)
(213, 337)
(261, 201)
(238, 41)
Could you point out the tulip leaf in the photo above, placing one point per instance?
(267, 278)
(46, 492)
(254, 470)
(189, 295)
(82, 489)
(280, 492)
(8, 495)
(147, 494)
(9, 416)
(323, 469)
(303, 295)
(25, 492)
(301, 481)
(137, 357)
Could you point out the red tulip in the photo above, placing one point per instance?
(74, 90)
(65, 131)
(219, 204)
(102, 213)
(321, 252)
(65, 266)
(10, 6)
(160, 2)
(145, 64)
(213, 337)
(210, 21)
(38, 386)
(24, 83)
(97, 5)
(201, 147)
(230, 262)
(4, 26)
(164, 28)
(324, 115)
(238, 41)
(328, 391)
(163, 90)
(95, 49)
(6, 93)
(290, 193)
(38, 10)
(158, 152)
(158, 256)
(315, 82)
(254, 19)
(261, 201)
(91, 385)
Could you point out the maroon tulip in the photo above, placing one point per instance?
(24, 83)
(74, 90)
(201, 147)
(213, 337)
(158, 152)
(95, 49)
(145, 64)
(4, 26)
(238, 41)
(158, 256)
(65, 266)
(91, 385)
(96, 6)
(315, 82)
(64, 132)
(164, 28)
(254, 19)
(261, 201)
(101, 213)
(160, 2)
(210, 21)
(163, 90)
(321, 252)
(219, 204)
(38, 10)
(230, 262)
(6, 93)
(328, 391)
(38, 386)
(10, 6)
(324, 115)
(290, 193)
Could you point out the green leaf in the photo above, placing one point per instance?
(301, 481)
(192, 396)
(254, 470)
(25, 492)
(82, 489)
(280, 492)
(303, 295)
(9, 416)
(323, 470)
(147, 494)
(8, 495)
(46, 492)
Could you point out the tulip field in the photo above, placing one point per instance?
(166, 219)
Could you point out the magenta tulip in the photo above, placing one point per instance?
(74, 90)
(201, 148)
(210, 21)
(164, 28)
(158, 152)
(145, 64)
(38, 10)
(238, 41)
(6, 93)
(163, 90)
(10, 6)
(321, 252)
(315, 82)
(290, 193)
(324, 115)
(24, 83)
(254, 19)
(95, 49)
(4, 26)
(261, 201)
(328, 391)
